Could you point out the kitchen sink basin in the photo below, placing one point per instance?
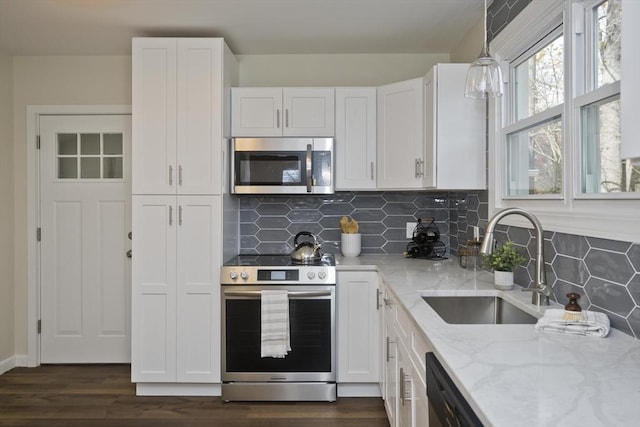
(478, 310)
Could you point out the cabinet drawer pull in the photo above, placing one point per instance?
(180, 215)
(170, 216)
(180, 175)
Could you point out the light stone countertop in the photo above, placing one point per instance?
(513, 375)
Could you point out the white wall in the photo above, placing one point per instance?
(7, 327)
(334, 70)
(71, 80)
(470, 46)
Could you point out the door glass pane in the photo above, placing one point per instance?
(67, 144)
(112, 143)
(90, 167)
(608, 26)
(539, 81)
(90, 144)
(67, 167)
(112, 167)
(603, 171)
(534, 160)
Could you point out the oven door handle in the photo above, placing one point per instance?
(293, 294)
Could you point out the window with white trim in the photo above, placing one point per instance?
(555, 140)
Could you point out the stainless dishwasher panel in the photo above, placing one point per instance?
(447, 407)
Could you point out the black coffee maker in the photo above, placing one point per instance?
(425, 242)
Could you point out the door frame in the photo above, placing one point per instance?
(34, 112)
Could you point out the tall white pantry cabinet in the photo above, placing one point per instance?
(181, 110)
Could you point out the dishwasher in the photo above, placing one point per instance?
(447, 406)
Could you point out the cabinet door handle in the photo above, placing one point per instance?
(378, 293)
(170, 176)
(286, 118)
(180, 175)
(415, 169)
(372, 177)
(180, 215)
(402, 386)
(170, 216)
(389, 342)
(278, 119)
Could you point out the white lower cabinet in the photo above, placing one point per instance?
(176, 290)
(358, 335)
(403, 381)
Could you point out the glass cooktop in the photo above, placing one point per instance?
(276, 260)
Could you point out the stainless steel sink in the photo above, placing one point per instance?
(478, 310)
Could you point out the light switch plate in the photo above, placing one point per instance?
(410, 227)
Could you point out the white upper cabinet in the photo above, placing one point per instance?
(355, 138)
(177, 115)
(265, 112)
(455, 131)
(400, 135)
(630, 82)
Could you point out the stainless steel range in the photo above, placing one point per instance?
(308, 371)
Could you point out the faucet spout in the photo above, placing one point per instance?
(541, 288)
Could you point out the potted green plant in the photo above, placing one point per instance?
(503, 261)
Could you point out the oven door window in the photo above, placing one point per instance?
(310, 329)
(270, 168)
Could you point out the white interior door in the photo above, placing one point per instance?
(85, 216)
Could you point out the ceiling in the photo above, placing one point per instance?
(105, 27)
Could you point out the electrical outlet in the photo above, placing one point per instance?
(410, 227)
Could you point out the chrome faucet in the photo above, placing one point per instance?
(541, 289)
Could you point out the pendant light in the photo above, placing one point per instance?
(484, 78)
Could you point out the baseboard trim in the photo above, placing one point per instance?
(174, 389)
(359, 390)
(7, 364)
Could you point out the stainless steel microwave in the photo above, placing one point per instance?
(282, 166)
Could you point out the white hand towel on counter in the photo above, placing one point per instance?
(592, 323)
(274, 337)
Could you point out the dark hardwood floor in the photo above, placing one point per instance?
(103, 395)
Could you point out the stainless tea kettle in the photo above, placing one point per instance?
(306, 252)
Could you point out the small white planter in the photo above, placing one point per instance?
(503, 280)
(351, 244)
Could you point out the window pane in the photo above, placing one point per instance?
(534, 160)
(67, 167)
(112, 143)
(90, 144)
(608, 31)
(67, 144)
(112, 167)
(603, 171)
(539, 81)
(90, 167)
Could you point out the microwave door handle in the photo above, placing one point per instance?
(309, 169)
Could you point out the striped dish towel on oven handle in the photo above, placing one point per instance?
(275, 340)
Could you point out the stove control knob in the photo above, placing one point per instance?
(244, 275)
(311, 275)
(322, 275)
(233, 275)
